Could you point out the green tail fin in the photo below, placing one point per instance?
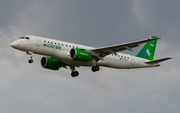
(148, 50)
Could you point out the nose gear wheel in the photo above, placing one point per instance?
(30, 61)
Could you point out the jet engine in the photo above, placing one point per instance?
(50, 63)
(80, 54)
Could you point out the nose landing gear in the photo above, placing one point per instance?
(30, 61)
(30, 55)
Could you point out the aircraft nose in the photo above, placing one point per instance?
(14, 44)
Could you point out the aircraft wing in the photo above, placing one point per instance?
(104, 51)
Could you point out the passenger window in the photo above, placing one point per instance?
(44, 40)
(69, 45)
(62, 44)
(55, 43)
(58, 43)
(48, 41)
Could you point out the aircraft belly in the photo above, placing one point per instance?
(114, 62)
(119, 63)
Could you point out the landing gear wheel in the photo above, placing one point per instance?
(30, 61)
(95, 68)
(74, 73)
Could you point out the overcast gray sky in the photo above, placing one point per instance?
(29, 88)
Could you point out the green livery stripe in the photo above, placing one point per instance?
(148, 51)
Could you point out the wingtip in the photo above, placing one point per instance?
(170, 57)
(154, 38)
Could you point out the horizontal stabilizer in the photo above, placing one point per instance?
(157, 61)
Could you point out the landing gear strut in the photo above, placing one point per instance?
(95, 68)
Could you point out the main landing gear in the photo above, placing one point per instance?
(30, 55)
(74, 73)
(95, 68)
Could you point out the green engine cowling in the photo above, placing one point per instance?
(50, 63)
(80, 54)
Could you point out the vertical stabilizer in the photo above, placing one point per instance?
(148, 51)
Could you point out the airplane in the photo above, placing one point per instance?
(58, 54)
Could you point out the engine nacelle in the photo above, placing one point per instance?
(50, 63)
(80, 54)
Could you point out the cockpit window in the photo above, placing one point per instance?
(24, 38)
(21, 37)
(27, 38)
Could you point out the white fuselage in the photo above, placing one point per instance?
(60, 50)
